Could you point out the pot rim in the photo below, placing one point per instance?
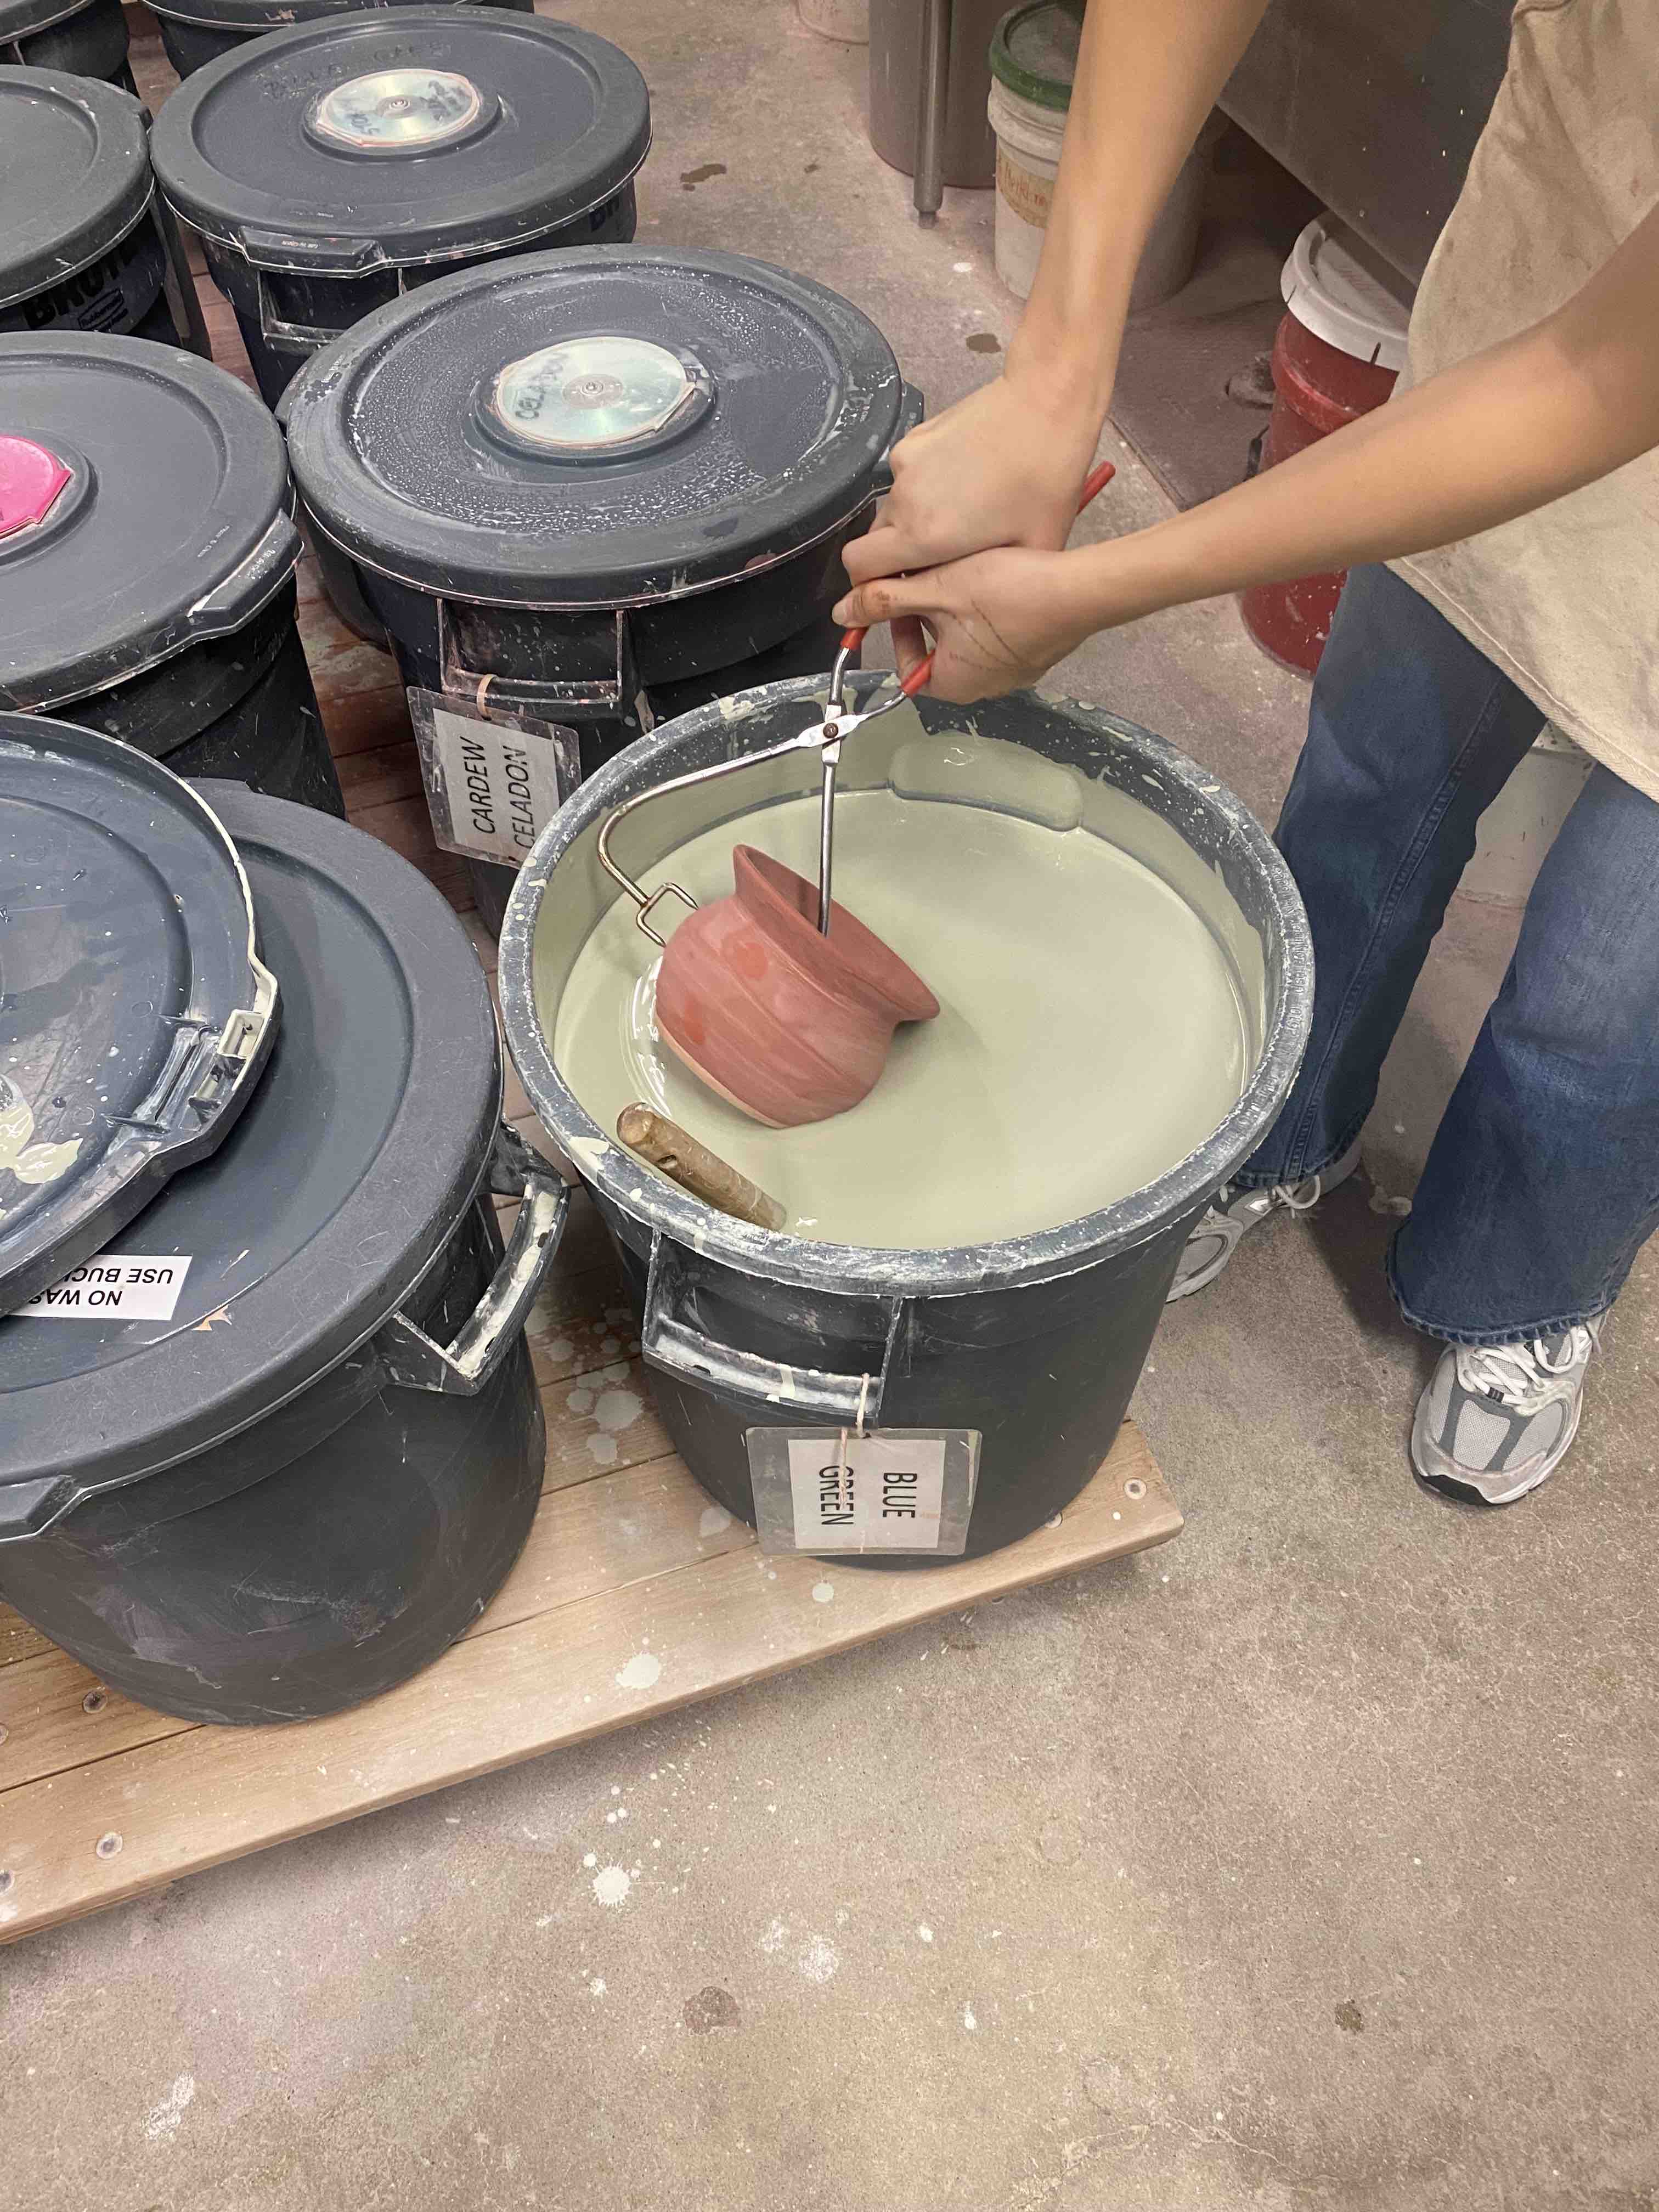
(874, 1270)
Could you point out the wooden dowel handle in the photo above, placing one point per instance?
(683, 1160)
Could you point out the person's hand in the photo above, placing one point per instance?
(999, 620)
(1003, 467)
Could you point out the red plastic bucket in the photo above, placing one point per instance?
(1338, 349)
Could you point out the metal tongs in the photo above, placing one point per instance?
(826, 736)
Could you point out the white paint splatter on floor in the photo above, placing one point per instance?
(778, 1933)
(592, 1859)
(619, 1409)
(968, 2020)
(924, 1931)
(823, 1592)
(819, 1961)
(596, 1987)
(163, 2119)
(644, 1670)
(581, 1401)
(612, 1883)
(602, 1449)
(715, 1518)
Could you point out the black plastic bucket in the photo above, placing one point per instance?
(89, 39)
(584, 490)
(203, 30)
(1032, 1344)
(299, 1483)
(147, 562)
(331, 168)
(86, 243)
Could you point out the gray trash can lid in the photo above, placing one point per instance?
(368, 1135)
(73, 174)
(399, 136)
(171, 523)
(597, 426)
(136, 1015)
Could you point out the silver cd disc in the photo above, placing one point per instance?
(397, 111)
(595, 396)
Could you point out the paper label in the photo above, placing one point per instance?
(493, 782)
(115, 1286)
(891, 1490)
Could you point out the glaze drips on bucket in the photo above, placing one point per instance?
(1092, 1030)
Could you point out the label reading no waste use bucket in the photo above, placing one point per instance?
(890, 1490)
(115, 1286)
(494, 782)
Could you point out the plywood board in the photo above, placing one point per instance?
(635, 1595)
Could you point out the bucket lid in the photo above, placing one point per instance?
(404, 135)
(171, 524)
(1342, 292)
(366, 1137)
(1034, 51)
(19, 19)
(595, 427)
(135, 1013)
(74, 176)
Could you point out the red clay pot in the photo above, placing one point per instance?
(788, 1025)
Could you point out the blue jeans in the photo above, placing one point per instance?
(1542, 1183)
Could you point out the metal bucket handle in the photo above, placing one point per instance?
(462, 1369)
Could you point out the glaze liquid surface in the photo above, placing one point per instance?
(1091, 1033)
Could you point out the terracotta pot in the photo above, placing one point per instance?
(788, 1025)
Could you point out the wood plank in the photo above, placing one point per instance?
(92, 1835)
(645, 1522)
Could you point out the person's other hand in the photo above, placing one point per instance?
(1002, 467)
(999, 620)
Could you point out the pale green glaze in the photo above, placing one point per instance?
(1092, 1031)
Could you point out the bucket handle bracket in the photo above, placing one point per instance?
(418, 1362)
(673, 1340)
(611, 697)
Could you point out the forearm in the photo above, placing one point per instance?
(1493, 438)
(1147, 76)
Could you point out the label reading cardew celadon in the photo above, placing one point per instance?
(494, 782)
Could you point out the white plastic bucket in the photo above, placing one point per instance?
(1029, 139)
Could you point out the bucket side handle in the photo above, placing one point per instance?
(416, 1361)
(672, 1339)
(913, 405)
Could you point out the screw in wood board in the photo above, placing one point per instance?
(94, 1701)
(107, 1846)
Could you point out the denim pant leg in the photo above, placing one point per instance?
(1411, 733)
(1543, 1182)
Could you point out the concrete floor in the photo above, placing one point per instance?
(1307, 1862)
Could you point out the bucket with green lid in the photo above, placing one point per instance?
(1033, 64)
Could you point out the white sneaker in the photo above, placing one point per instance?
(1496, 1419)
(1213, 1242)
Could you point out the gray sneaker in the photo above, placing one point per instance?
(1496, 1419)
(1215, 1239)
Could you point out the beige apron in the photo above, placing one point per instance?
(1566, 599)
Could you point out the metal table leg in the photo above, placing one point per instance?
(932, 80)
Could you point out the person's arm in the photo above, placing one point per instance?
(1005, 465)
(1567, 401)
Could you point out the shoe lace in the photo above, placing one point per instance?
(1517, 1373)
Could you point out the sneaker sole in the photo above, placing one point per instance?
(1453, 1485)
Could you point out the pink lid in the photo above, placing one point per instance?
(31, 477)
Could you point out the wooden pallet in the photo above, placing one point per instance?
(634, 1595)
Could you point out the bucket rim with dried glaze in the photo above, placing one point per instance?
(753, 719)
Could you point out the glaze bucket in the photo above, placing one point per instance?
(1034, 1342)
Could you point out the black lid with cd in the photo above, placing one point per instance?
(331, 167)
(595, 431)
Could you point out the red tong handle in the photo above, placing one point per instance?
(921, 675)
